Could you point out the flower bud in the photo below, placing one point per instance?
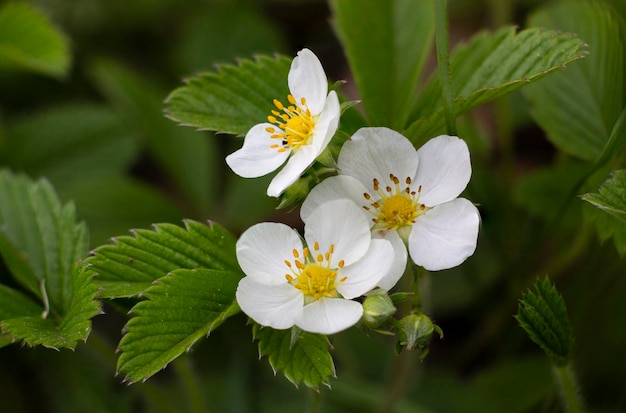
(416, 331)
(377, 308)
(295, 194)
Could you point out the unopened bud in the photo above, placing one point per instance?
(415, 331)
(377, 308)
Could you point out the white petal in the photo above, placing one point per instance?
(256, 158)
(366, 273)
(307, 79)
(444, 169)
(296, 165)
(330, 189)
(276, 306)
(376, 153)
(445, 236)
(263, 249)
(342, 224)
(326, 125)
(329, 315)
(400, 257)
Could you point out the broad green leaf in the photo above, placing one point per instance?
(58, 142)
(180, 309)
(611, 197)
(112, 204)
(132, 264)
(578, 108)
(234, 98)
(543, 316)
(386, 42)
(29, 41)
(490, 66)
(188, 157)
(307, 360)
(67, 330)
(41, 245)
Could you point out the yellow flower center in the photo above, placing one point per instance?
(294, 124)
(395, 207)
(313, 275)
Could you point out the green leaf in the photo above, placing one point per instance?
(386, 43)
(306, 360)
(490, 66)
(233, 99)
(78, 137)
(180, 309)
(131, 265)
(29, 41)
(41, 245)
(611, 197)
(544, 318)
(188, 157)
(579, 108)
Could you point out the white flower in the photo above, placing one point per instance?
(311, 286)
(301, 129)
(408, 195)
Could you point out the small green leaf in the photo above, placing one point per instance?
(30, 42)
(490, 66)
(611, 197)
(41, 245)
(307, 360)
(386, 42)
(543, 316)
(180, 309)
(233, 99)
(131, 265)
(579, 107)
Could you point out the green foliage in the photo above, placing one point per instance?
(386, 43)
(490, 66)
(179, 309)
(29, 41)
(187, 156)
(611, 197)
(130, 266)
(302, 357)
(579, 108)
(233, 99)
(543, 316)
(41, 245)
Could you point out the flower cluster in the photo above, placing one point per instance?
(386, 197)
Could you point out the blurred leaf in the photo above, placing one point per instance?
(130, 266)
(229, 31)
(306, 360)
(578, 108)
(611, 197)
(180, 309)
(187, 156)
(113, 204)
(41, 244)
(607, 227)
(490, 66)
(386, 43)
(70, 145)
(29, 41)
(544, 318)
(232, 100)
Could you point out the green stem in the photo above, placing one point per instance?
(569, 389)
(443, 62)
(315, 401)
(189, 384)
